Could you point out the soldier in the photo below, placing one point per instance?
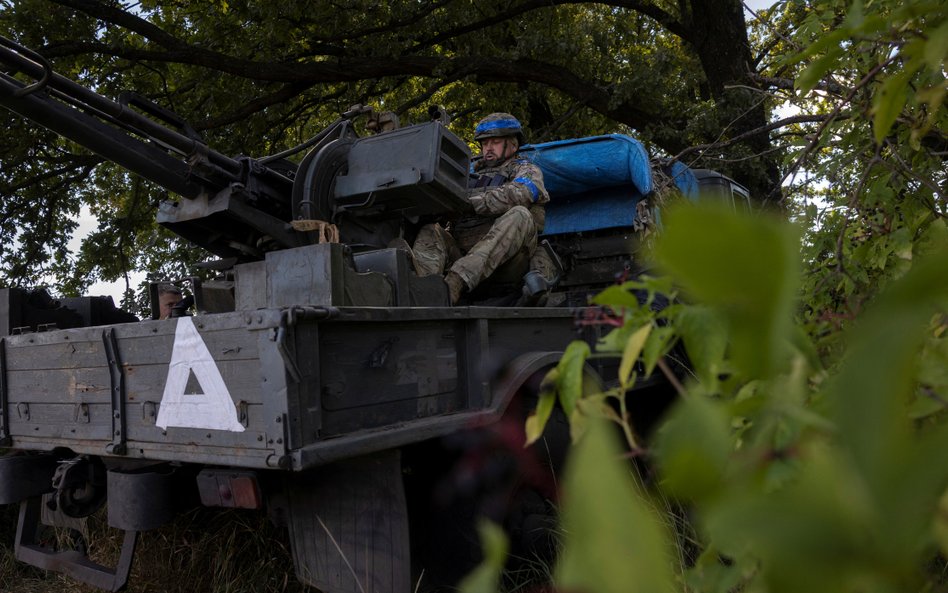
(169, 295)
(508, 196)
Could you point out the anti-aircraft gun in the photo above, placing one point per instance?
(242, 208)
(329, 384)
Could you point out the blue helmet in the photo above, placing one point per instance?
(497, 125)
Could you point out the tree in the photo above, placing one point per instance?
(255, 77)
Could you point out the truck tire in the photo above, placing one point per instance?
(485, 473)
(348, 526)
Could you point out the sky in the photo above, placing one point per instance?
(87, 224)
(758, 4)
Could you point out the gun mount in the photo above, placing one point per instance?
(240, 206)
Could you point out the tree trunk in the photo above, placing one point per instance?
(718, 33)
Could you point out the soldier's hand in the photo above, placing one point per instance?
(478, 202)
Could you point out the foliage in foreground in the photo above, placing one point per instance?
(796, 477)
(808, 445)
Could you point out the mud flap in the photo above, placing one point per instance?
(348, 526)
(25, 476)
(30, 549)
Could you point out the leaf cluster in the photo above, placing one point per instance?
(876, 70)
(797, 477)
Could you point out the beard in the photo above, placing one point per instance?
(491, 162)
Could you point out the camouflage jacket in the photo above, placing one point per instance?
(515, 182)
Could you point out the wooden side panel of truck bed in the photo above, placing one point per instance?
(272, 388)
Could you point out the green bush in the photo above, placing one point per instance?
(796, 477)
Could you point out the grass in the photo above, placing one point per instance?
(16, 577)
(203, 550)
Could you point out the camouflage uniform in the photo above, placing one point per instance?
(509, 216)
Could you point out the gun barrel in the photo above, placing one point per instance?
(80, 114)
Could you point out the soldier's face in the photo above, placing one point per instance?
(494, 150)
(166, 301)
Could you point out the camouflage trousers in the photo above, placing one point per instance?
(472, 254)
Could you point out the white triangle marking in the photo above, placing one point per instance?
(214, 409)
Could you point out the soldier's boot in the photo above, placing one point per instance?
(455, 286)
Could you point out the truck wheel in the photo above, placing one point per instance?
(348, 526)
(486, 473)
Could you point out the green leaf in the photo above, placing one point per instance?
(870, 24)
(612, 540)
(616, 297)
(923, 407)
(888, 103)
(936, 47)
(705, 335)
(656, 347)
(747, 400)
(486, 577)
(633, 347)
(692, 449)
(941, 523)
(536, 422)
(614, 341)
(570, 370)
(830, 41)
(855, 15)
(751, 278)
(814, 73)
(818, 520)
(873, 387)
(712, 573)
(934, 239)
(596, 406)
(933, 365)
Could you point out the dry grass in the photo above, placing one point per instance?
(16, 577)
(203, 550)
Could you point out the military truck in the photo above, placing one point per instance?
(319, 378)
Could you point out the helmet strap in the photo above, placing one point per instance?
(508, 144)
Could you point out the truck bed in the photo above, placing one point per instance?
(282, 388)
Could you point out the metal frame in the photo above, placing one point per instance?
(117, 376)
(330, 450)
(4, 396)
(73, 563)
(473, 348)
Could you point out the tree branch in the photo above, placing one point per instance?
(286, 93)
(83, 161)
(124, 19)
(662, 17)
(796, 119)
(408, 20)
(356, 69)
(787, 84)
(836, 113)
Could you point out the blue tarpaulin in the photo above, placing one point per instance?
(603, 208)
(576, 166)
(594, 183)
(685, 179)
